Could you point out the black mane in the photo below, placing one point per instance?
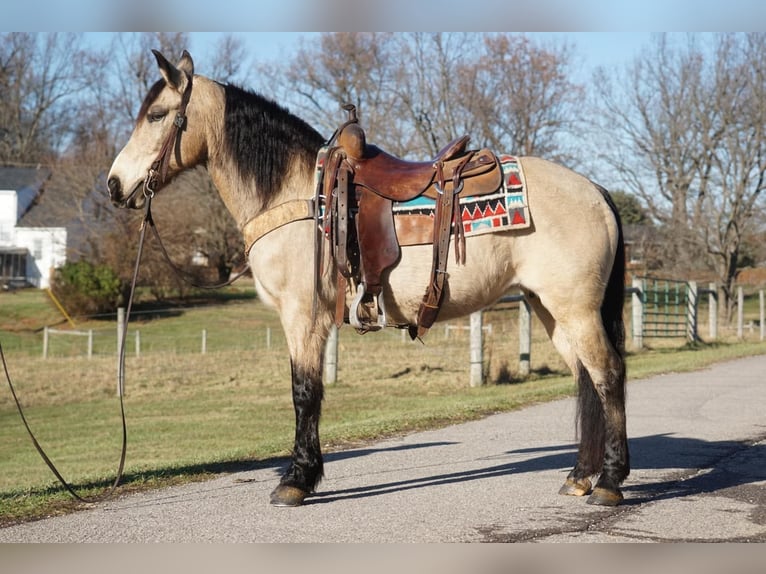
(260, 134)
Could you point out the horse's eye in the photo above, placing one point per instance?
(156, 116)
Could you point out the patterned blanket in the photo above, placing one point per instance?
(505, 209)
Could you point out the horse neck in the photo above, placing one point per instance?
(239, 191)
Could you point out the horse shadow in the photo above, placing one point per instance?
(694, 467)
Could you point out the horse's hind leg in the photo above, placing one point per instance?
(553, 329)
(601, 413)
(578, 482)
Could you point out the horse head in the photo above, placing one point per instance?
(163, 143)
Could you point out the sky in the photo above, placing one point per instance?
(608, 49)
(392, 15)
(593, 49)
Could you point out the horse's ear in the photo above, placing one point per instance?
(175, 77)
(186, 63)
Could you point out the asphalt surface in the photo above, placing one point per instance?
(698, 453)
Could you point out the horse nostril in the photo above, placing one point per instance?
(113, 184)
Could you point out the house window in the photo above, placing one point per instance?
(37, 249)
(13, 265)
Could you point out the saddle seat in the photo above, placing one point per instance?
(401, 180)
(363, 182)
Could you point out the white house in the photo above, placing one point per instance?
(29, 250)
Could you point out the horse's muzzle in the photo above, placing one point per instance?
(132, 200)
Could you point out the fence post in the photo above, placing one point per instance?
(477, 350)
(45, 342)
(713, 311)
(691, 312)
(740, 312)
(525, 338)
(138, 343)
(268, 337)
(761, 316)
(90, 343)
(637, 312)
(331, 357)
(120, 327)
(204, 341)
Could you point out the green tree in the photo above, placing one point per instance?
(630, 208)
(87, 289)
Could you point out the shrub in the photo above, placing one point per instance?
(87, 289)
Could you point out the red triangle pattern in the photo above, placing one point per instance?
(514, 180)
(489, 211)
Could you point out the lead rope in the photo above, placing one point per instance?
(120, 379)
(184, 275)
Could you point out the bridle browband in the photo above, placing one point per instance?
(158, 171)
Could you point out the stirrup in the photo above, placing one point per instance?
(353, 311)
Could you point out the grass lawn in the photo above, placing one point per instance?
(191, 414)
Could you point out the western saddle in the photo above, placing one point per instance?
(358, 185)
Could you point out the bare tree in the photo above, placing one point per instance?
(725, 208)
(229, 60)
(40, 79)
(687, 136)
(417, 91)
(524, 97)
(657, 142)
(332, 70)
(203, 226)
(431, 89)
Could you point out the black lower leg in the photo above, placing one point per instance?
(305, 470)
(590, 427)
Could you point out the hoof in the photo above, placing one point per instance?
(287, 496)
(579, 487)
(604, 497)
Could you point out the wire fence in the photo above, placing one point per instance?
(500, 354)
(169, 335)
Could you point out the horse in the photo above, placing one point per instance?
(569, 263)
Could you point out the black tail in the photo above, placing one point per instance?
(614, 297)
(590, 412)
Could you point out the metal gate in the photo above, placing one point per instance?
(668, 308)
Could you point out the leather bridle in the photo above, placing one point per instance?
(157, 176)
(158, 172)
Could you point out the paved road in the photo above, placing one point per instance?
(698, 446)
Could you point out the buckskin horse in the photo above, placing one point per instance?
(568, 261)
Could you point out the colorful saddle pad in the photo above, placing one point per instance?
(503, 210)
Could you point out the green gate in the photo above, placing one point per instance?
(669, 308)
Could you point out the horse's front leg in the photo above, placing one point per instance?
(305, 470)
(306, 361)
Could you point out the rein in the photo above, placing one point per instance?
(120, 380)
(157, 175)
